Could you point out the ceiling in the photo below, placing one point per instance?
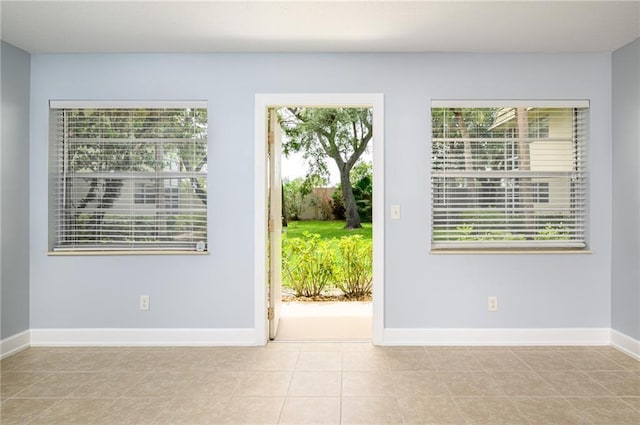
(85, 26)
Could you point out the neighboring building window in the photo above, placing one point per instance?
(538, 124)
(128, 176)
(492, 188)
(540, 193)
(145, 193)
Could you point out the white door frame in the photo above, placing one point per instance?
(262, 103)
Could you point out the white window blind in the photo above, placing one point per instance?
(128, 178)
(508, 177)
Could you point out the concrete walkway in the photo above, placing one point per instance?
(325, 321)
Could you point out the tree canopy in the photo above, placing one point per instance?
(322, 134)
(103, 148)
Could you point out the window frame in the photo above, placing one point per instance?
(580, 144)
(167, 179)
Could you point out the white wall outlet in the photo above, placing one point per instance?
(492, 303)
(144, 302)
(395, 212)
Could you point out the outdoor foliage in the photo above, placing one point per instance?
(323, 205)
(311, 264)
(361, 180)
(553, 232)
(293, 193)
(338, 134)
(489, 225)
(362, 183)
(337, 205)
(90, 125)
(354, 271)
(299, 191)
(307, 264)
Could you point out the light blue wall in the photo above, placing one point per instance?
(625, 285)
(14, 259)
(422, 290)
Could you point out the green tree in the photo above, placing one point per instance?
(363, 192)
(362, 185)
(97, 147)
(293, 198)
(341, 134)
(363, 169)
(296, 191)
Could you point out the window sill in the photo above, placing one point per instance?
(515, 251)
(123, 252)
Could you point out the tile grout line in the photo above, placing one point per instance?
(341, 388)
(286, 394)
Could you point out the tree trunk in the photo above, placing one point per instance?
(351, 210)
(111, 192)
(524, 161)
(195, 183)
(160, 224)
(464, 133)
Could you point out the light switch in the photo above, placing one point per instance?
(395, 212)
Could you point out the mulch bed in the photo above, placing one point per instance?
(329, 296)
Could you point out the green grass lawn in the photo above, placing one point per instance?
(326, 229)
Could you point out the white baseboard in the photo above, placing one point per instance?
(142, 337)
(247, 336)
(626, 344)
(15, 343)
(497, 336)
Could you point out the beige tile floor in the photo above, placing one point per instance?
(321, 383)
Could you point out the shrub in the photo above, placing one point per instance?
(310, 264)
(307, 264)
(501, 235)
(337, 205)
(361, 178)
(466, 233)
(323, 205)
(362, 185)
(551, 232)
(354, 269)
(363, 193)
(293, 198)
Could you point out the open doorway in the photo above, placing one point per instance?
(326, 240)
(303, 320)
